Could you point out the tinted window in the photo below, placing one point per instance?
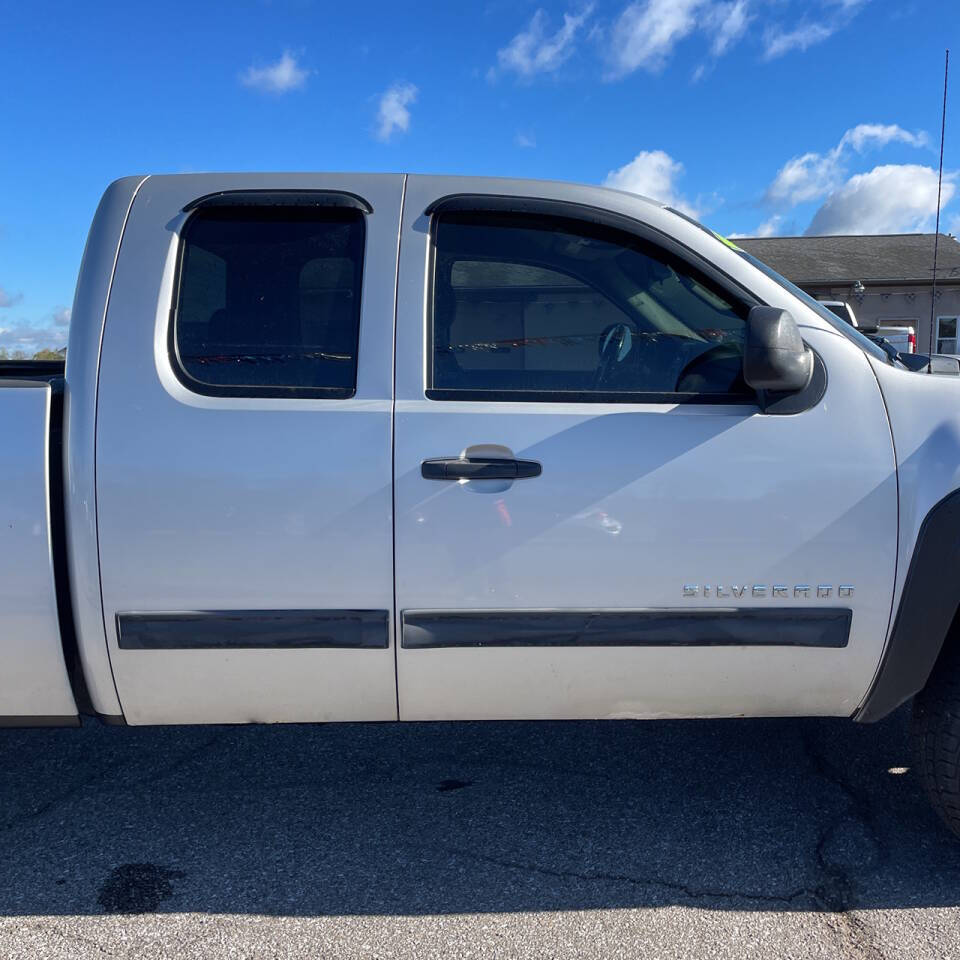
(269, 301)
(543, 308)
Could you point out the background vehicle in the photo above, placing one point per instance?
(843, 310)
(558, 453)
(902, 338)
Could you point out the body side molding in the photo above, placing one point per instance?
(253, 629)
(760, 626)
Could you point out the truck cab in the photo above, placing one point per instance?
(401, 447)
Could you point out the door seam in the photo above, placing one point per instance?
(393, 451)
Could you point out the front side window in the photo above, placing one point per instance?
(269, 301)
(532, 308)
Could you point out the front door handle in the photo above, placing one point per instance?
(479, 468)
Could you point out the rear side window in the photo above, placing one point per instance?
(544, 308)
(268, 302)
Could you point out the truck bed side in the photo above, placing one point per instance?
(35, 687)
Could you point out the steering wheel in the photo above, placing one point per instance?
(717, 370)
(614, 344)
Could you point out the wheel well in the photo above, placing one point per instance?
(927, 626)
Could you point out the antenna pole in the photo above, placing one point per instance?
(936, 236)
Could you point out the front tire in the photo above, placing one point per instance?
(935, 731)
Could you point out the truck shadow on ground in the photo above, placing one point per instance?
(468, 818)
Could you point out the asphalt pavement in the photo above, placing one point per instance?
(741, 838)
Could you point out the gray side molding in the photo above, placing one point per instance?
(254, 630)
(758, 626)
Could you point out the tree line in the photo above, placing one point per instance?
(45, 354)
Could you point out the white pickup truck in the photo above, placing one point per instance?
(387, 447)
(903, 339)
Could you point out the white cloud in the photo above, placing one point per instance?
(834, 15)
(772, 227)
(769, 227)
(813, 175)
(653, 174)
(534, 51)
(393, 113)
(646, 32)
(807, 177)
(778, 41)
(9, 299)
(888, 199)
(727, 22)
(894, 198)
(286, 74)
(525, 140)
(28, 339)
(879, 135)
(846, 6)
(61, 317)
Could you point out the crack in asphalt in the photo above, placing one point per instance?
(835, 892)
(155, 776)
(78, 789)
(61, 798)
(674, 886)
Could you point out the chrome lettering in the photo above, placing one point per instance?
(780, 591)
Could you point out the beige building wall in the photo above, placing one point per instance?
(898, 306)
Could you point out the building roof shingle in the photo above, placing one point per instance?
(892, 257)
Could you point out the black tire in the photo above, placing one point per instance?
(935, 731)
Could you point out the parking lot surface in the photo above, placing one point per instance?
(746, 838)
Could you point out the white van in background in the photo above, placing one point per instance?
(901, 338)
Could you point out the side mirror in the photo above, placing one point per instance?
(775, 358)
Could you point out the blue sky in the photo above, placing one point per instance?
(758, 116)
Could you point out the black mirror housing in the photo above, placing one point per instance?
(775, 358)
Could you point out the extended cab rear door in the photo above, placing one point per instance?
(594, 516)
(244, 450)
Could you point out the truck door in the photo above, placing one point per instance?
(244, 450)
(594, 518)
